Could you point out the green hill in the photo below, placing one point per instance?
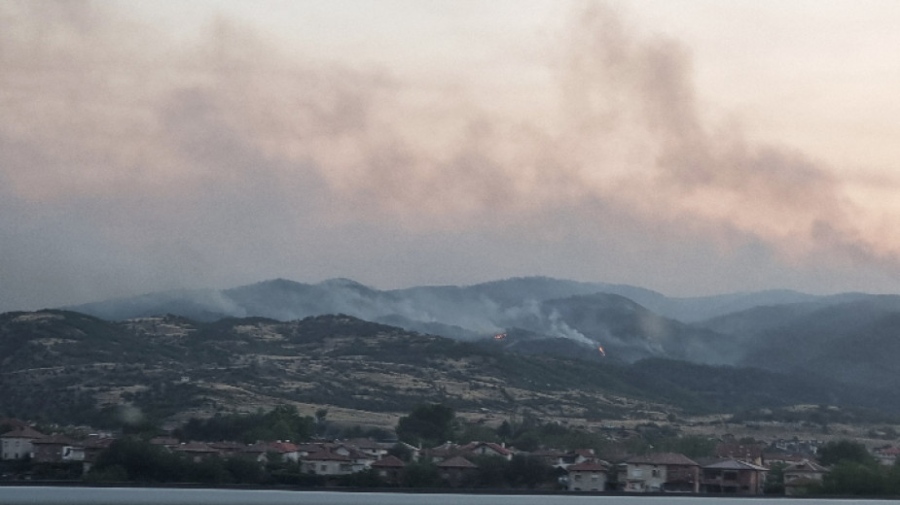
(69, 367)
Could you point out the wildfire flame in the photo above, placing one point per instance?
(500, 336)
(602, 352)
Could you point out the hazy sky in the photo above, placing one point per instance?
(692, 147)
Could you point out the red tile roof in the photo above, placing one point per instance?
(389, 461)
(805, 466)
(26, 432)
(195, 447)
(662, 458)
(325, 456)
(54, 440)
(733, 464)
(587, 466)
(457, 462)
(499, 449)
(282, 447)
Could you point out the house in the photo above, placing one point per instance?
(887, 455)
(442, 452)
(327, 463)
(662, 472)
(552, 457)
(587, 476)
(359, 460)
(17, 443)
(800, 477)
(257, 452)
(486, 449)
(228, 449)
(196, 451)
(734, 477)
(56, 449)
(92, 447)
(287, 451)
(376, 450)
(390, 469)
(751, 453)
(455, 470)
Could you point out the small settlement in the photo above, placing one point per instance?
(737, 470)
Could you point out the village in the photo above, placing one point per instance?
(735, 467)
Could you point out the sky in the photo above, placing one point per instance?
(693, 147)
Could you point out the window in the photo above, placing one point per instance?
(323, 468)
(637, 472)
(655, 472)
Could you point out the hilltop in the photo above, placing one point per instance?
(70, 367)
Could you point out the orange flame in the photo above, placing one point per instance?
(602, 352)
(500, 336)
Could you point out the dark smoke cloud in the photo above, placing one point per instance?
(131, 162)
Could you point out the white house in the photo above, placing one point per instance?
(327, 463)
(662, 472)
(587, 476)
(17, 444)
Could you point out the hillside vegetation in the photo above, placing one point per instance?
(69, 367)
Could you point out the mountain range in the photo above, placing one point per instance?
(778, 330)
(553, 345)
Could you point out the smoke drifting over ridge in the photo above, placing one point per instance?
(133, 161)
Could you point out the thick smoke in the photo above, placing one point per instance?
(130, 161)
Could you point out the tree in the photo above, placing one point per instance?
(852, 478)
(775, 479)
(491, 471)
(528, 471)
(421, 474)
(430, 423)
(401, 451)
(141, 461)
(244, 470)
(838, 451)
(505, 431)
(321, 421)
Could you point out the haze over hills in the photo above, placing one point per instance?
(285, 300)
(69, 367)
(544, 341)
(630, 322)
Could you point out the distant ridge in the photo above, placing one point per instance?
(630, 323)
(69, 367)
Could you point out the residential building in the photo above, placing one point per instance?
(662, 473)
(56, 449)
(327, 463)
(455, 470)
(287, 451)
(751, 453)
(17, 443)
(486, 449)
(734, 477)
(800, 477)
(390, 469)
(587, 476)
(197, 451)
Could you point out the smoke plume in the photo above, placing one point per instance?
(131, 161)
